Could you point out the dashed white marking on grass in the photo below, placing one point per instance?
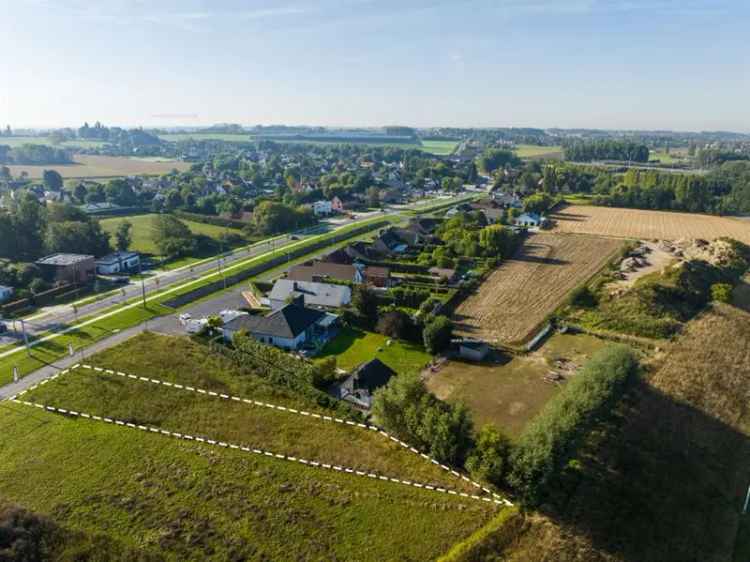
(279, 408)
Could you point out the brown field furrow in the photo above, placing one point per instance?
(636, 223)
(517, 297)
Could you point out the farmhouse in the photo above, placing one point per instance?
(359, 387)
(117, 262)
(323, 295)
(68, 268)
(291, 327)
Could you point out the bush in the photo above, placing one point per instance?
(437, 334)
(394, 324)
(489, 460)
(553, 436)
(24, 536)
(721, 292)
(408, 410)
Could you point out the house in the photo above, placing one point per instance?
(377, 276)
(68, 268)
(359, 387)
(529, 220)
(6, 292)
(338, 256)
(292, 327)
(443, 273)
(392, 195)
(314, 294)
(117, 262)
(473, 350)
(389, 243)
(508, 200)
(322, 208)
(320, 271)
(337, 205)
(424, 226)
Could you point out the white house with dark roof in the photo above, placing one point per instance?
(117, 262)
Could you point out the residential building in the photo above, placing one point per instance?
(117, 262)
(337, 205)
(291, 327)
(323, 295)
(473, 350)
(358, 388)
(319, 271)
(532, 220)
(322, 208)
(390, 243)
(68, 268)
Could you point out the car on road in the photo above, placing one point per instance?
(184, 317)
(294, 237)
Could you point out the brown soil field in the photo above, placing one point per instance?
(636, 223)
(88, 166)
(516, 297)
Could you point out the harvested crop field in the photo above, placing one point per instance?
(90, 166)
(516, 297)
(636, 223)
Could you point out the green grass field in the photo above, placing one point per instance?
(172, 500)
(191, 501)
(439, 147)
(534, 151)
(228, 137)
(142, 230)
(354, 347)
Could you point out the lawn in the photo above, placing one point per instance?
(133, 492)
(510, 392)
(534, 151)
(353, 347)
(439, 147)
(143, 225)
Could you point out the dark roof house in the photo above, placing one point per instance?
(359, 387)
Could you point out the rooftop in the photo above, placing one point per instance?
(287, 322)
(63, 259)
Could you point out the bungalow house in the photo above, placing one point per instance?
(339, 256)
(424, 226)
(319, 271)
(117, 262)
(532, 220)
(337, 205)
(322, 295)
(292, 327)
(359, 387)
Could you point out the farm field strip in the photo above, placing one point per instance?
(93, 166)
(277, 407)
(223, 444)
(517, 297)
(644, 224)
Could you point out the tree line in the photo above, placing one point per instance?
(605, 149)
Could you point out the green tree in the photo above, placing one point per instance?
(365, 303)
(489, 460)
(123, 236)
(53, 181)
(77, 237)
(172, 237)
(497, 241)
(29, 222)
(437, 334)
(721, 292)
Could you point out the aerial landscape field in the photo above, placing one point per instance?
(639, 224)
(522, 292)
(91, 166)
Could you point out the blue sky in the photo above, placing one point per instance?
(626, 64)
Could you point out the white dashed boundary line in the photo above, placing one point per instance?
(274, 407)
(262, 452)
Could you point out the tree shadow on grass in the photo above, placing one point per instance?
(659, 481)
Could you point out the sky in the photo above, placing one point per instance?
(610, 64)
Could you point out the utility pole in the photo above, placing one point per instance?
(143, 284)
(25, 337)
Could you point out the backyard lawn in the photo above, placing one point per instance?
(353, 347)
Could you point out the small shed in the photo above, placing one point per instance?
(473, 350)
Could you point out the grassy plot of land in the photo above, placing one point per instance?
(227, 420)
(93, 166)
(516, 298)
(534, 151)
(439, 147)
(353, 347)
(636, 223)
(227, 137)
(175, 500)
(142, 231)
(513, 390)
